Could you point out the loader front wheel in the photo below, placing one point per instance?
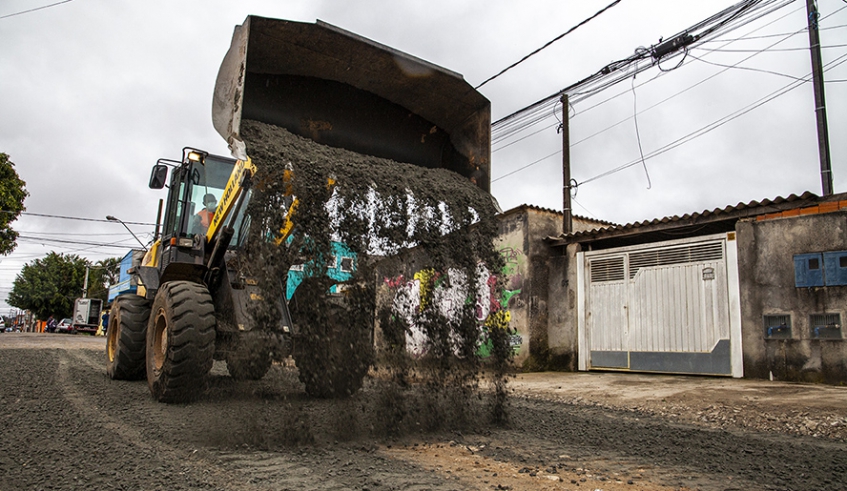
(180, 341)
(126, 338)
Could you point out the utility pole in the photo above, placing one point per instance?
(85, 284)
(820, 103)
(567, 223)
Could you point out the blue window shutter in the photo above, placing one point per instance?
(835, 268)
(808, 270)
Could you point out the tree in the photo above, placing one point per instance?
(12, 194)
(102, 274)
(49, 286)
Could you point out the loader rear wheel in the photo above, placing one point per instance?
(180, 341)
(332, 352)
(251, 357)
(126, 338)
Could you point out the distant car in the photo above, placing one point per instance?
(65, 326)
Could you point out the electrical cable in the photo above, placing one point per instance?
(715, 124)
(584, 208)
(802, 48)
(666, 70)
(24, 257)
(65, 234)
(37, 8)
(611, 74)
(747, 38)
(43, 215)
(750, 69)
(690, 47)
(785, 37)
(526, 166)
(41, 240)
(560, 36)
(638, 134)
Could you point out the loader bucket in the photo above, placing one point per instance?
(342, 90)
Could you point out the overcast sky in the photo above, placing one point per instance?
(93, 92)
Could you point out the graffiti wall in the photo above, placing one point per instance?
(446, 294)
(518, 304)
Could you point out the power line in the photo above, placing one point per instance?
(751, 69)
(638, 134)
(65, 234)
(779, 50)
(695, 134)
(694, 47)
(43, 215)
(41, 240)
(714, 125)
(560, 36)
(727, 20)
(33, 10)
(747, 38)
(785, 36)
(526, 166)
(24, 257)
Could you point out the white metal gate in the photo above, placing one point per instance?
(666, 307)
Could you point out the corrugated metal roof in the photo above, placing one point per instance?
(741, 210)
(557, 212)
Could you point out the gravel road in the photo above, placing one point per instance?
(65, 425)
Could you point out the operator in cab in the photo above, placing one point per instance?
(200, 222)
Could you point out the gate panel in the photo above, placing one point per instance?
(670, 312)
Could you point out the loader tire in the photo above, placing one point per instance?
(251, 357)
(180, 341)
(332, 355)
(126, 338)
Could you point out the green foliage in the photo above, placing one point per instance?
(102, 274)
(49, 286)
(12, 194)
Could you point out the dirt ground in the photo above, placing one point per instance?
(65, 425)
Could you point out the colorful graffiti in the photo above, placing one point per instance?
(448, 293)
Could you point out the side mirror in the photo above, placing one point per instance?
(158, 176)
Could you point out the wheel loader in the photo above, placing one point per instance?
(186, 302)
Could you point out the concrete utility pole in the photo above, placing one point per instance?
(567, 223)
(85, 284)
(820, 103)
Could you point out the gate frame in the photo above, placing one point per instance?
(733, 293)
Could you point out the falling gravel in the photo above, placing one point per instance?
(379, 210)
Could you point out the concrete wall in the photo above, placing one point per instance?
(543, 307)
(766, 252)
(562, 315)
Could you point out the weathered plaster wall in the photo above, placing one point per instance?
(562, 339)
(766, 252)
(512, 244)
(536, 293)
(562, 327)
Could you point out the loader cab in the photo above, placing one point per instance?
(195, 187)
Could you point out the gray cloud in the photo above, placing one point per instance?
(94, 91)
